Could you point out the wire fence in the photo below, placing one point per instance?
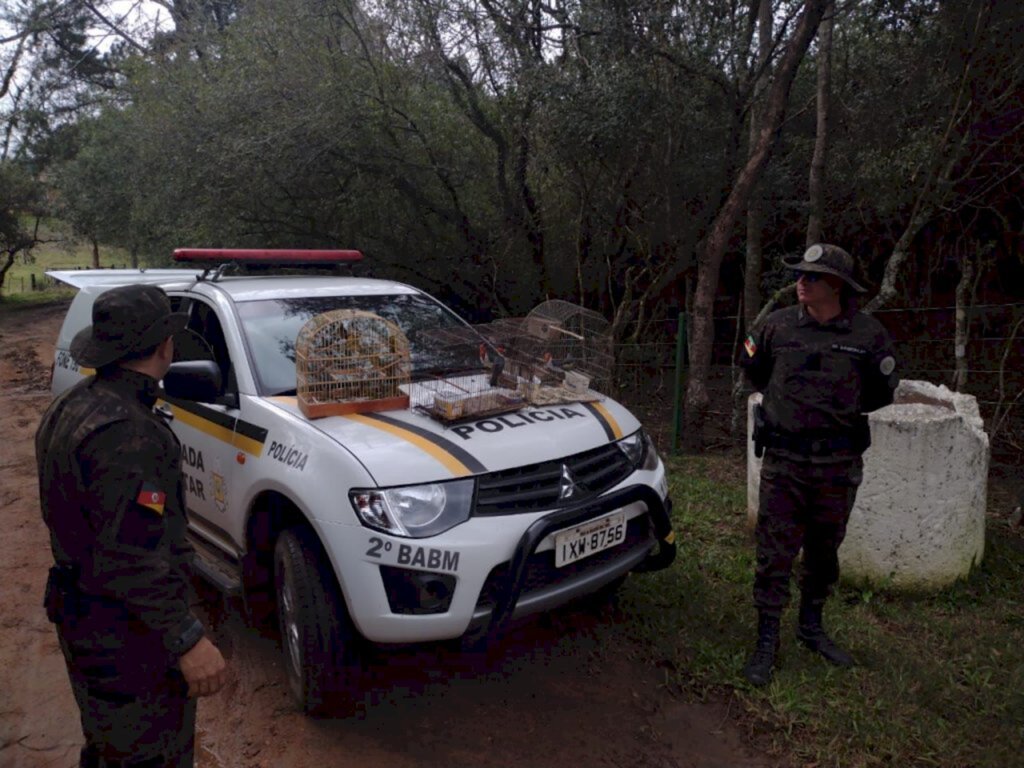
(18, 281)
(28, 283)
(925, 342)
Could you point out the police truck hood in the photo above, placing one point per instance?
(403, 447)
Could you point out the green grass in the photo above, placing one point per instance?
(941, 676)
(59, 252)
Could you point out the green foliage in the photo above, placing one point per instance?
(104, 162)
(18, 192)
(21, 205)
(501, 153)
(54, 249)
(941, 676)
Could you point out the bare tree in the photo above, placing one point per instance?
(713, 248)
(955, 157)
(755, 213)
(21, 199)
(816, 182)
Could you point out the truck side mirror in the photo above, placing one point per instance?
(198, 380)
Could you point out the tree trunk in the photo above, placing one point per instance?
(751, 299)
(963, 291)
(755, 215)
(95, 253)
(6, 262)
(711, 253)
(816, 185)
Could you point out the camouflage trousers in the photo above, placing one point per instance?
(801, 506)
(133, 699)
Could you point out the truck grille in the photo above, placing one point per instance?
(546, 485)
(541, 571)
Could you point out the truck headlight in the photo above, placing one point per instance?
(640, 450)
(415, 510)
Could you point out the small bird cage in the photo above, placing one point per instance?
(350, 361)
(560, 352)
(574, 341)
(467, 386)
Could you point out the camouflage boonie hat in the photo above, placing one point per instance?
(125, 319)
(827, 259)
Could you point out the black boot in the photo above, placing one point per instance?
(812, 634)
(758, 669)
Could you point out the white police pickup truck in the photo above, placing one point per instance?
(387, 527)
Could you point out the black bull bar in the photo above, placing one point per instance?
(658, 509)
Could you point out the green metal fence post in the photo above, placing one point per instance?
(677, 395)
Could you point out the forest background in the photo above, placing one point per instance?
(643, 159)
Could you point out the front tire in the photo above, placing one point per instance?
(317, 636)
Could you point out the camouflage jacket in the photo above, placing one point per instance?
(818, 379)
(111, 495)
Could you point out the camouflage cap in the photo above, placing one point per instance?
(125, 319)
(827, 259)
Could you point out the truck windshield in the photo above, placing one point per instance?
(272, 325)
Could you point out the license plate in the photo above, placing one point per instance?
(589, 538)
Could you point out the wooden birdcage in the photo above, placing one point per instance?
(350, 361)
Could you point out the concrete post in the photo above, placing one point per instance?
(919, 519)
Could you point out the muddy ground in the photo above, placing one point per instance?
(567, 691)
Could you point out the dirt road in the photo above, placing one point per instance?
(566, 692)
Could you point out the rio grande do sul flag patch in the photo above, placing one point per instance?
(152, 498)
(750, 345)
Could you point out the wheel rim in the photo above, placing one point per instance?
(290, 623)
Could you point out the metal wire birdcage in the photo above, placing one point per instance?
(559, 353)
(468, 387)
(350, 361)
(574, 341)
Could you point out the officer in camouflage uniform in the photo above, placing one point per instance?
(821, 366)
(111, 495)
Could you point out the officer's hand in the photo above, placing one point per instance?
(204, 668)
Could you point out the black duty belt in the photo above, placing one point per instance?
(816, 445)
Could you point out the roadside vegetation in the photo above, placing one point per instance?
(57, 252)
(941, 676)
(640, 159)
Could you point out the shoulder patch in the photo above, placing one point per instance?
(750, 345)
(151, 497)
(888, 365)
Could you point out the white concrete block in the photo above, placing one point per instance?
(919, 518)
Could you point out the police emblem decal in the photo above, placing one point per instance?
(220, 492)
(567, 487)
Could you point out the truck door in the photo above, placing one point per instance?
(206, 429)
